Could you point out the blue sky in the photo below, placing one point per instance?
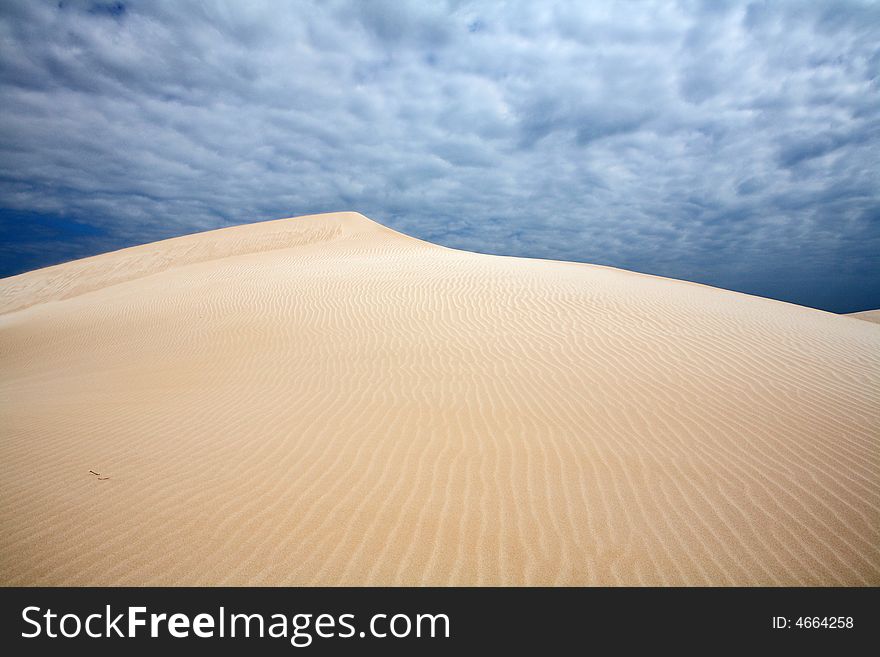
(730, 143)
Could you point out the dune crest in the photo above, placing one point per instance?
(867, 316)
(88, 274)
(323, 400)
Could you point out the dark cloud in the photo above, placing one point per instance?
(729, 143)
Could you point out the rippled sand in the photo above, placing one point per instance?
(322, 400)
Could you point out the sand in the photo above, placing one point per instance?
(322, 400)
(867, 315)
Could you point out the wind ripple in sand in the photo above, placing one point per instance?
(324, 401)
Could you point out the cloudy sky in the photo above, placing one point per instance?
(731, 143)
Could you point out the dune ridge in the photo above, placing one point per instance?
(867, 315)
(322, 400)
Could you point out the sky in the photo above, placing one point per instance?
(735, 144)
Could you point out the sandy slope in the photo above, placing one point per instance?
(324, 401)
(867, 315)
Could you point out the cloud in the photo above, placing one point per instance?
(730, 143)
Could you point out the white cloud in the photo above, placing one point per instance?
(730, 143)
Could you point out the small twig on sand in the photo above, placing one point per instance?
(94, 473)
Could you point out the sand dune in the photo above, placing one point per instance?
(322, 400)
(867, 315)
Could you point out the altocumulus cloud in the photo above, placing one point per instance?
(734, 144)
